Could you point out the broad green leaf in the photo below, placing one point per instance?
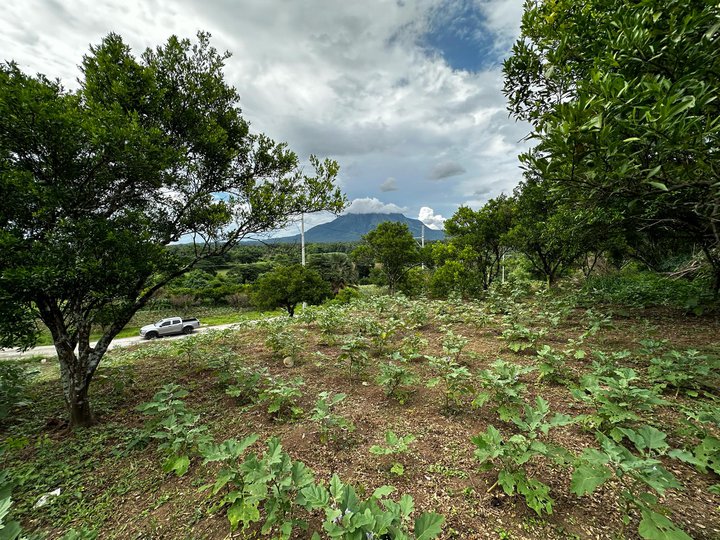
(587, 477)
(428, 525)
(653, 438)
(177, 464)
(315, 496)
(407, 506)
(242, 512)
(383, 491)
(336, 487)
(10, 531)
(654, 526)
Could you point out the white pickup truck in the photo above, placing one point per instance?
(169, 326)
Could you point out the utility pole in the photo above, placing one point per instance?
(302, 238)
(302, 245)
(422, 241)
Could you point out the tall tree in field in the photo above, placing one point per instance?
(479, 235)
(95, 183)
(623, 97)
(287, 286)
(391, 244)
(550, 234)
(335, 267)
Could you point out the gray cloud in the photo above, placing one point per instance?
(446, 170)
(390, 184)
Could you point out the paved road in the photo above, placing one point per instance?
(48, 351)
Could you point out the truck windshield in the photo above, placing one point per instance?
(159, 322)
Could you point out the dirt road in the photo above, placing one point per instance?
(48, 351)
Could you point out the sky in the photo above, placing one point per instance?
(405, 95)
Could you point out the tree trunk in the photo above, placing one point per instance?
(79, 408)
(76, 377)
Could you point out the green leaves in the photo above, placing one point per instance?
(510, 455)
(428, 525)
(242, 512)
(587, 477)
(177, 464)
(654, 526)
(395, 444)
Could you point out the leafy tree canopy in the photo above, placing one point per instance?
(623, 99)
(287, 286)
(480, 235)
(391, 244)
(95, 183)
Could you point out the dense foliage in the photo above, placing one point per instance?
(95, 183)
(622, 97)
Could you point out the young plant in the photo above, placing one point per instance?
(552, 365)
(281, 397)
(348, 517)
(331, 320)
(394, 445)
(511, 454)
(418, 316)
(180, 435)
(395, 378)
(520, 337)
(245, 384)
(354, 351)
(616, 400)
(411, 346)
(453, 345)
(502, 385)
(688, 372)
(382, 333)
(14, 380)
(642, 477)
(457, 382)
(332, 426)
(268, 485)
(284, 342)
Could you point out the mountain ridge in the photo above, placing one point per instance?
(351, 228)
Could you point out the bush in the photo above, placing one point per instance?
(13, 384)
(644, 288)
(344, 296)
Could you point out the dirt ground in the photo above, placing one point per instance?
(109, 484)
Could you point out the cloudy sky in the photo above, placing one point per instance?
(404, 94)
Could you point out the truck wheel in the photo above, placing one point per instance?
(152, 335)
(187, 330)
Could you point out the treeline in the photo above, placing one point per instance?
(229, 279)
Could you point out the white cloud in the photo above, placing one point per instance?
(430, 218)
(372, 205)
(333, 79)
(390, 184)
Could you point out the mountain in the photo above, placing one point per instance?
(351, 228)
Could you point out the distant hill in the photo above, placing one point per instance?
(351, 228)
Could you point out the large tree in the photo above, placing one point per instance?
(391, 244)
(287, 286)
(95, 183)
(549, 233)
(623, 100)
(479, 236)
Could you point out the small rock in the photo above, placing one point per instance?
(288, 361)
